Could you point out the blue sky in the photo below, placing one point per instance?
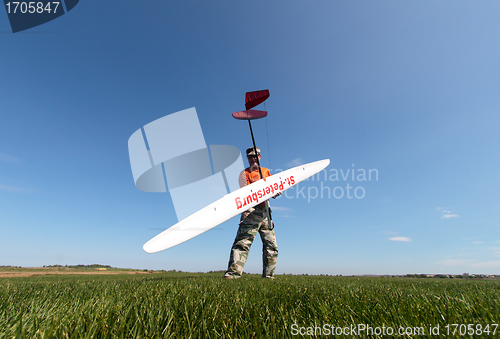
(407, 88)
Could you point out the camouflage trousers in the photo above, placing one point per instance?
(253, 221)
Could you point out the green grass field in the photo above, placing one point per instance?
(184, 305)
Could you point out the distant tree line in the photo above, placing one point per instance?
(80, 266)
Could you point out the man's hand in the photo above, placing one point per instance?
(277, 195)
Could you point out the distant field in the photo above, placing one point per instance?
(186, 305)
(8, 272)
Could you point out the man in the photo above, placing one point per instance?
(253, 221)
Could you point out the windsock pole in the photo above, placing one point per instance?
(253, 99)
(271, 224)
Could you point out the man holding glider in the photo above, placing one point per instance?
(253, 221)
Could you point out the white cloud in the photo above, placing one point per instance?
(454, 262)
(12, 188)
(9, 158)
(279, 208)
(447, 214)
(495, 250)
(295, 162)
(470, 263)
(283, 209)
(404, 239)
(487, 264)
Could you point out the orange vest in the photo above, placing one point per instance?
(252, 176)
(248, 177)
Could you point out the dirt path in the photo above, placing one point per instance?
(38, 271)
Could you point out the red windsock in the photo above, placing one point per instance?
(255, 98)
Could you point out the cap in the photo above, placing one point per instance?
(251, 152)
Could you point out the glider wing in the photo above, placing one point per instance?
(231, 205)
